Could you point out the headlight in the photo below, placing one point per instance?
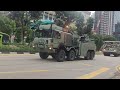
(50, 48)
(104, 50)
(33, 46)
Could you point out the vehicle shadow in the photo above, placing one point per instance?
(53, 60)
(50, 59)
(44, 60)
(113, 56)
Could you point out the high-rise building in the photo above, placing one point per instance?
(116, 25)
(116, 19)
(103, 22)
(97, 21)
(93, 16)
(86, 15)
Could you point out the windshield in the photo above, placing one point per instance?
(43, 33)
(47, 34)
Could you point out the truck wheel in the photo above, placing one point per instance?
(71, 55)
(87, 57)
(43, 55)
(60, 56)
(116, 55)
(92, 55)
(106, 54)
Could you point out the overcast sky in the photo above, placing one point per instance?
(92, 11)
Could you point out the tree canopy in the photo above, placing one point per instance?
(7, 25)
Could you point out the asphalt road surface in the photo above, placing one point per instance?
(27, 66)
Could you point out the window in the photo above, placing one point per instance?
(45, 17)
(50, 18)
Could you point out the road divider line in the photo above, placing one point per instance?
(23, 71)
(93, 74)
(87, 64)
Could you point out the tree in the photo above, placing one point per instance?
(64, 18)
(30, 36)
(80, 23)
(7, 25)
(35, 15)
(22, 19)
(99, 39)
(88, 27)
(109, 38)
(72, 26)
(60, 18)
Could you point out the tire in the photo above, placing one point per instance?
(88, 56)
(92, 55)
(71, 55)
(60, 56)
(106, 54)
(43, 55)
(116, 55)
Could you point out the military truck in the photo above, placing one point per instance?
(111, 47)
(61, 44)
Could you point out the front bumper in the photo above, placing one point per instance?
(47, 50)
(44, 48)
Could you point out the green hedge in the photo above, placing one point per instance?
(16, 48)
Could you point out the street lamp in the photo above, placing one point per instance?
(67, 26)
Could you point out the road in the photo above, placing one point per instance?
(30, 66)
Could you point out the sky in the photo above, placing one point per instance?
(92, 11)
